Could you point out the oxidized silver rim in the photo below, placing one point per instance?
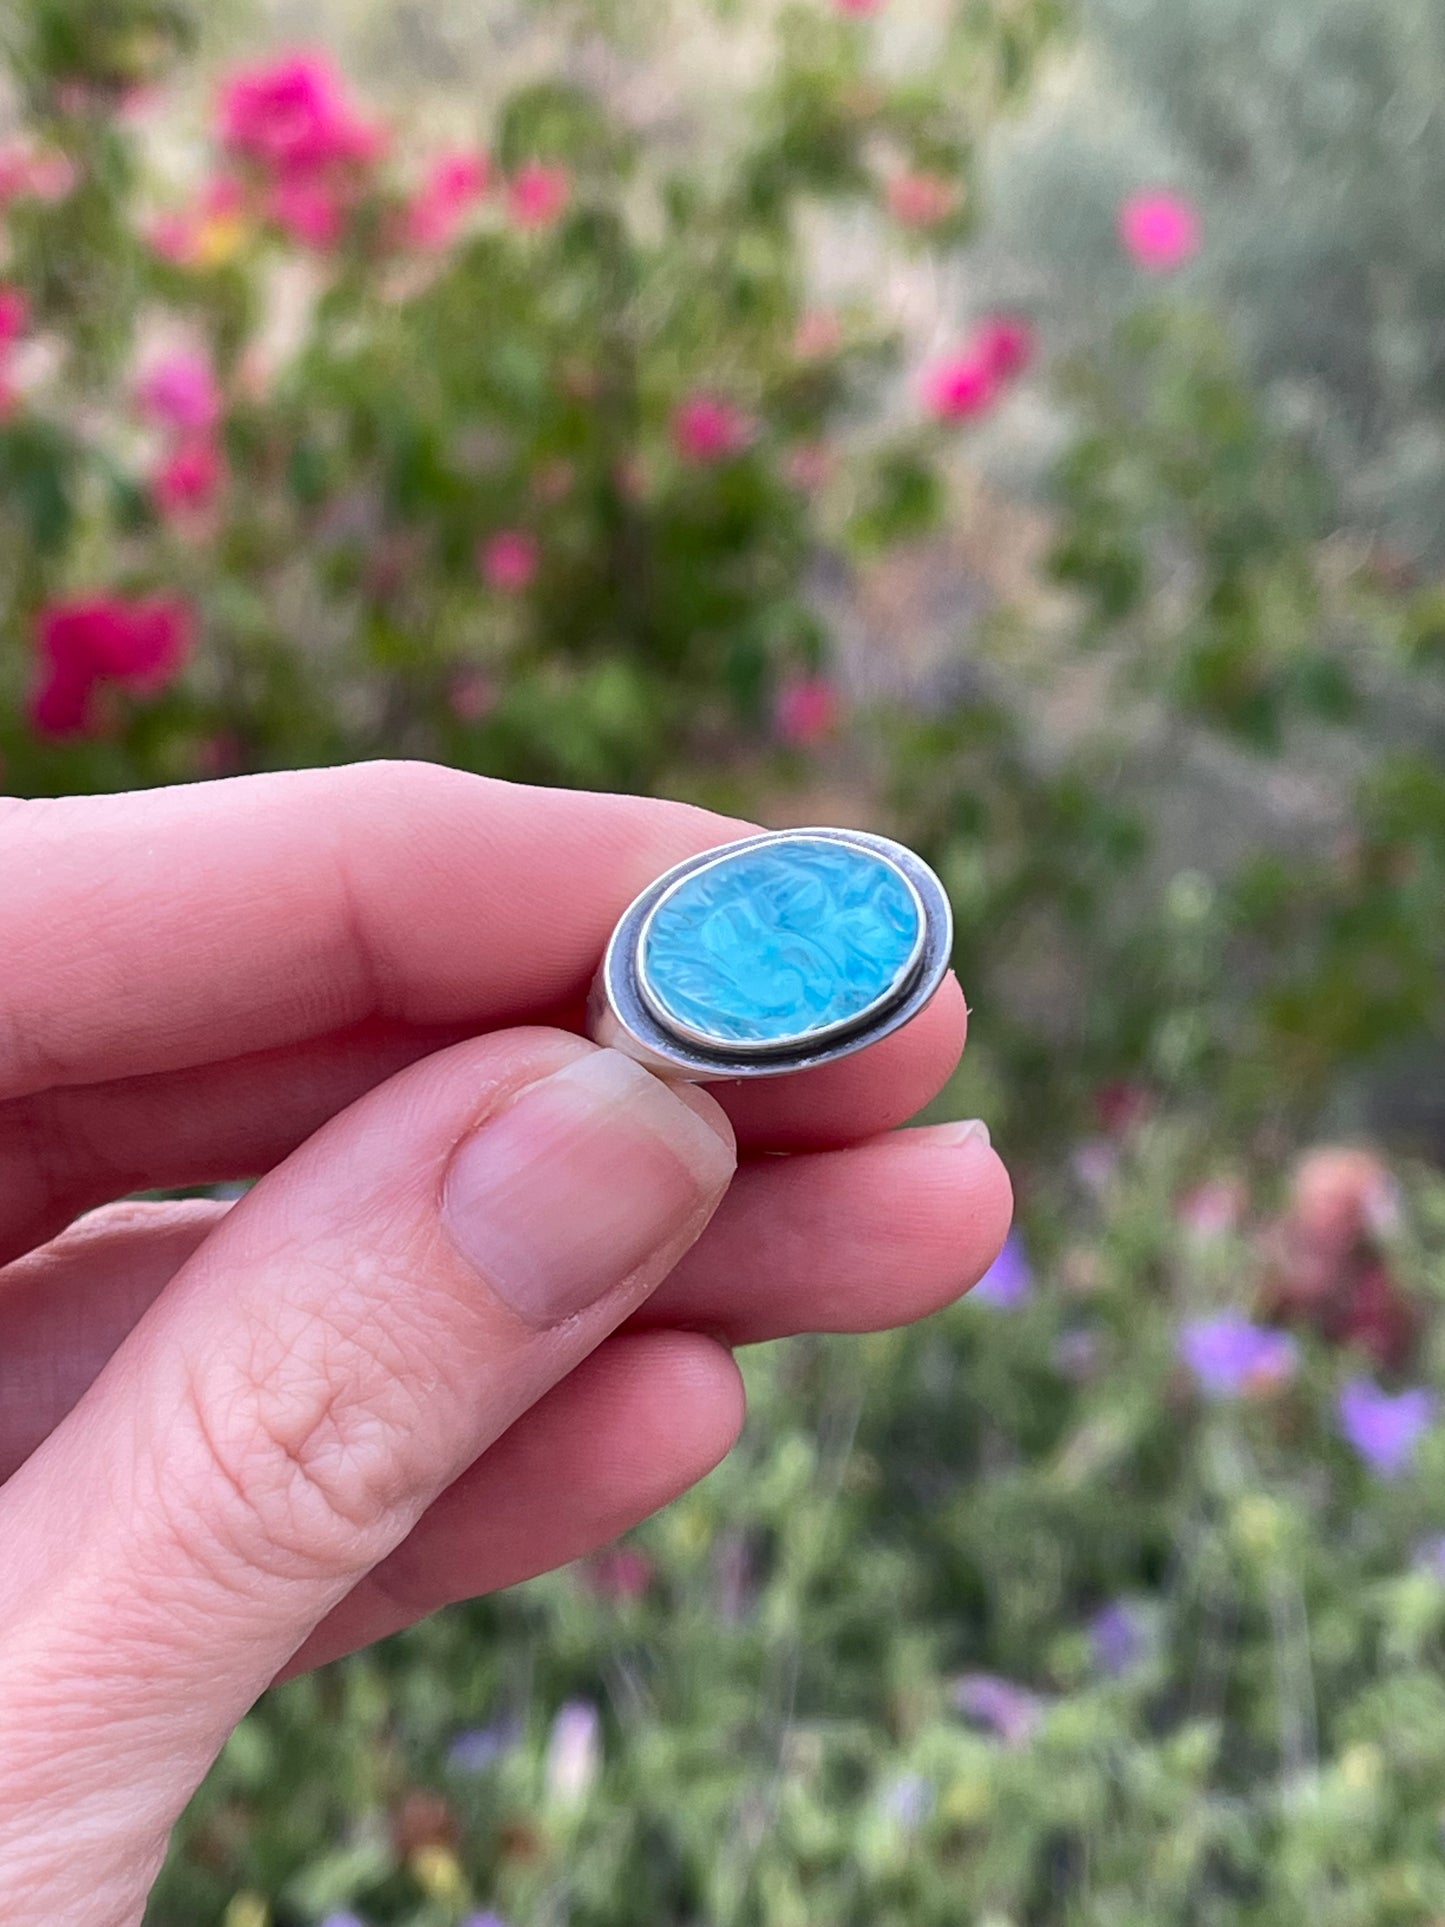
(622, 1017)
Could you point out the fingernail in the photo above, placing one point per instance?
(967, 1130)
(561, 1196)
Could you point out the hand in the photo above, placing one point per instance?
(473, 1320)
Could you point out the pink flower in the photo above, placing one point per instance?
(859, 9)
(810, 466)
(147, 647)
(961, 387)
(1160, 231)
(619, 1572)
(538, 193)
(208, 231)
(181, 392)
(310, 211)
(140, 644)
(921, 199)
(509, 560)
(555, 481)
(14, 314)
(454, 183)
(705, 428)
(63, 701)
(1005, 345)
(293, 117)
(807, 709)
(29, 173)
(189, 479)
(819, 334)
(471, 695)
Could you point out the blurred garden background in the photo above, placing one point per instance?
(1017, 425)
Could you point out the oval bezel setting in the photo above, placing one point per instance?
(622, 1016)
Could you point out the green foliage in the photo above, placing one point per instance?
(781, 1740)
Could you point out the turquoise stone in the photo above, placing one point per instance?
(774, 944)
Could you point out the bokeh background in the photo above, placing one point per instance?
(1015, 424)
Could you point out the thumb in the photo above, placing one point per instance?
(360, 1328)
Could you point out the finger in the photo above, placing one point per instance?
(70, 1148)
(357, 1331)
(637, 1423)
(66, 1150)
(177, 927)
(852, 1240)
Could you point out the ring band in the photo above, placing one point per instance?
(773, 954)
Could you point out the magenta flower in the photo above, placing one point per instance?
(509, 560)
(310, 211)
(1160, 231)
(189, 479)
(705, 429)
(538, 194)
(454, 183)
(1010, 1712)
(921, 200)
(1009, 1280)
(1005, 345)
(293, 118)
(142, 645)
(180, 391)
(859, 9)
(1230, 1356)
(961, 387)
(806, 710)
(1385, 1428)
(14, 314)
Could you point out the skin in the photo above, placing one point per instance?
(475, 1318)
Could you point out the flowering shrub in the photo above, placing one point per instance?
(1117, 1592)
(1099, 1600)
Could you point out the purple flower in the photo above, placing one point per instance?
(909, 1800)
(574, 1751)
(482, 1746)
(343, 1920)
(1009, 1280)
(1385, 1428)
(1117, 1635)
(1009, 1711)
(484, 1920)
(1229, 1356)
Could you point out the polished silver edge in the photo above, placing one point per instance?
(619, 1016)
(679, 1027)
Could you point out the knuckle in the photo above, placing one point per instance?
(311, 1440)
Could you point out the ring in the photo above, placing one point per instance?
(773, 954)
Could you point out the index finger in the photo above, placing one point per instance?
(170, 928)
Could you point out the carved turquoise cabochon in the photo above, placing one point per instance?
(780, 942)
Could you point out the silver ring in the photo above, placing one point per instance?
(773, 954)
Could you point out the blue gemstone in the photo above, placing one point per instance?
(774, 944)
